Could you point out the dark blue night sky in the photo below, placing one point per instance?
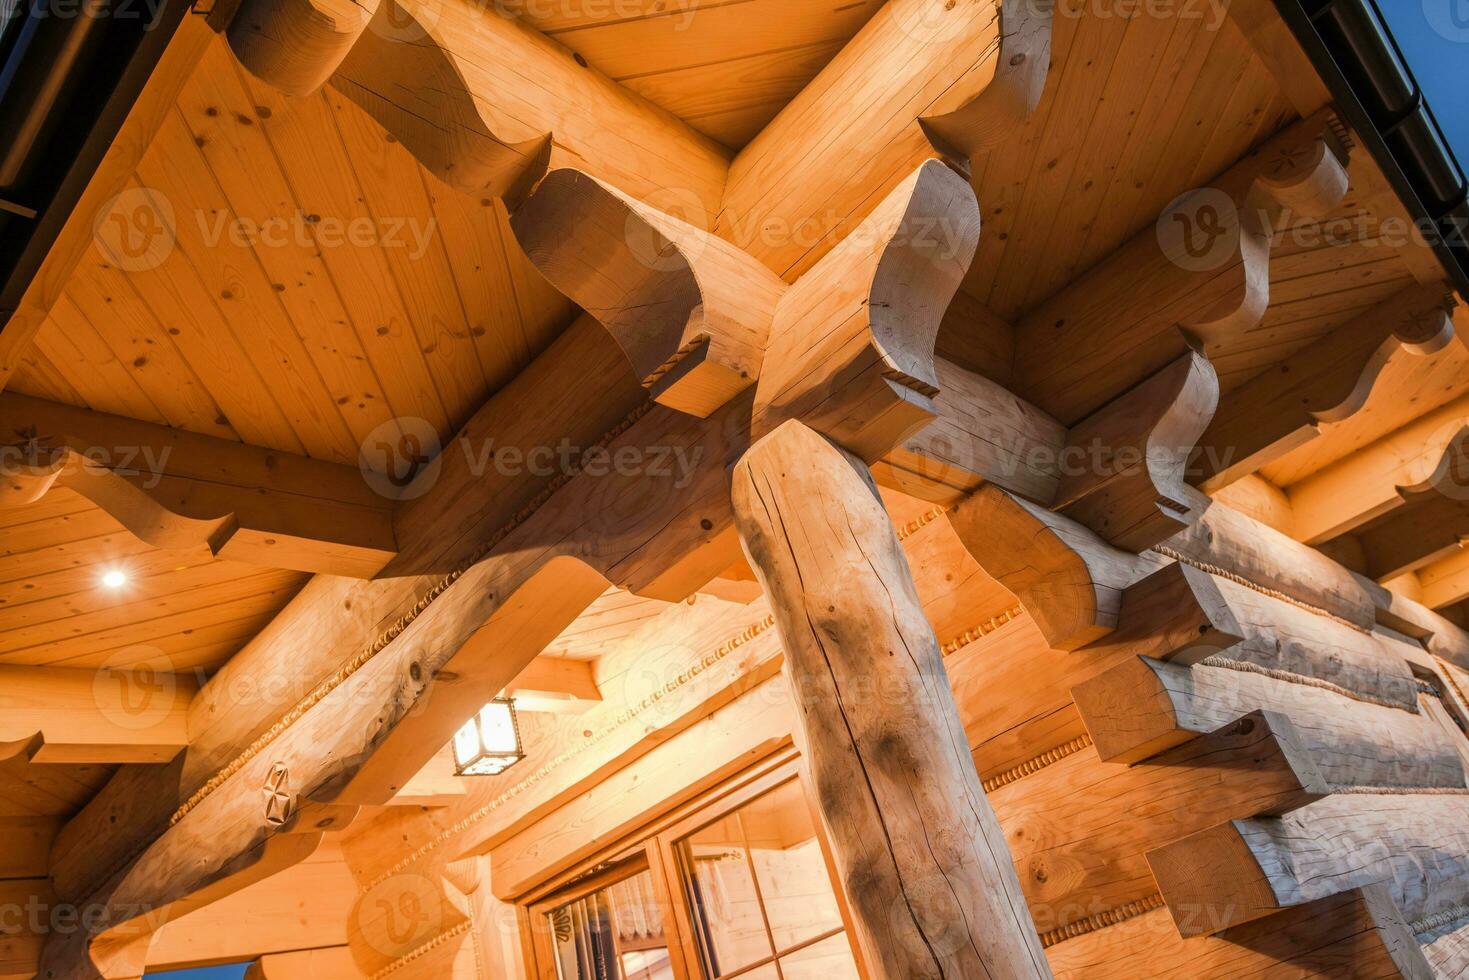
(1434, 36)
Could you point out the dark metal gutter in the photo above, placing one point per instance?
(70, 71)
(1375, 91)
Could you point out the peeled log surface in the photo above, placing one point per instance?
(1358, 934)
(918, 851)
(1262, 555)
(1144, 706)
(1417, 845)
(1076, 859)
(1184, 615)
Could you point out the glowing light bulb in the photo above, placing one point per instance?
(114, 578)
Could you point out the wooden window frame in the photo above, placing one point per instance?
(653, 848)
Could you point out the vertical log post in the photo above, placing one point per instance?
(931, 885)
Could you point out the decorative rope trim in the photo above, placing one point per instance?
(1447, 674)
(1032, 766)
(420, 951)
(983, 629)
(694, 343)
(1293, 678)
(1400, 790)
(330, 684)
(1102, 920)
(1238, 579)
(920, 522)
(1431, 923)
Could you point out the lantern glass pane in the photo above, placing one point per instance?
(466, 744)
(497, 729)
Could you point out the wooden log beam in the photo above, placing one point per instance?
(1201, 273)
(1186, 615)
(1143, 706)
(1431, 521)
(1356, 933)
(485, 102)
(1077, 860)
(921, 76)
(1328, 381)
(982, 435)
(1122, 474)
(556, 684)
(1225, 538)
(1364, 485)
(1069, 580)
(1245, 869)
(175, 489)
(64, 715)
(918, 852)
(691, 312)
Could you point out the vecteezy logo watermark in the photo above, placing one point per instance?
(136, 230)
(401, 458)
(1448, 18)
(650, 246)
(304, 230)
(399, 913)
(145, 465)
(405, 23)
(1198, 230)
(134, 687)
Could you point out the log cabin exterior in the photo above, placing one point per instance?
(951, 488)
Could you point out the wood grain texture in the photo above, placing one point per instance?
(918, 852)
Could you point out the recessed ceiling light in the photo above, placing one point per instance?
(114, 578)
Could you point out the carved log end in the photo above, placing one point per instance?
(296, 45)
(690, 312)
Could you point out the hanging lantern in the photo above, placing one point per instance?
(489, 743)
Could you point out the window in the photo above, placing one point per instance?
(614, 932)
(733, 885)
(759, 896)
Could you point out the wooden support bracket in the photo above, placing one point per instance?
(691, 312)
(1200, 276)
(1328, 381)
(851, 350)
(1123, 470)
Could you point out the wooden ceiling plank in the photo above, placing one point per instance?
(232, 272)
(1123, 116)
(1095, 54)
(228, 127)
(304, 135)
(110, 301)
(393, 184)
